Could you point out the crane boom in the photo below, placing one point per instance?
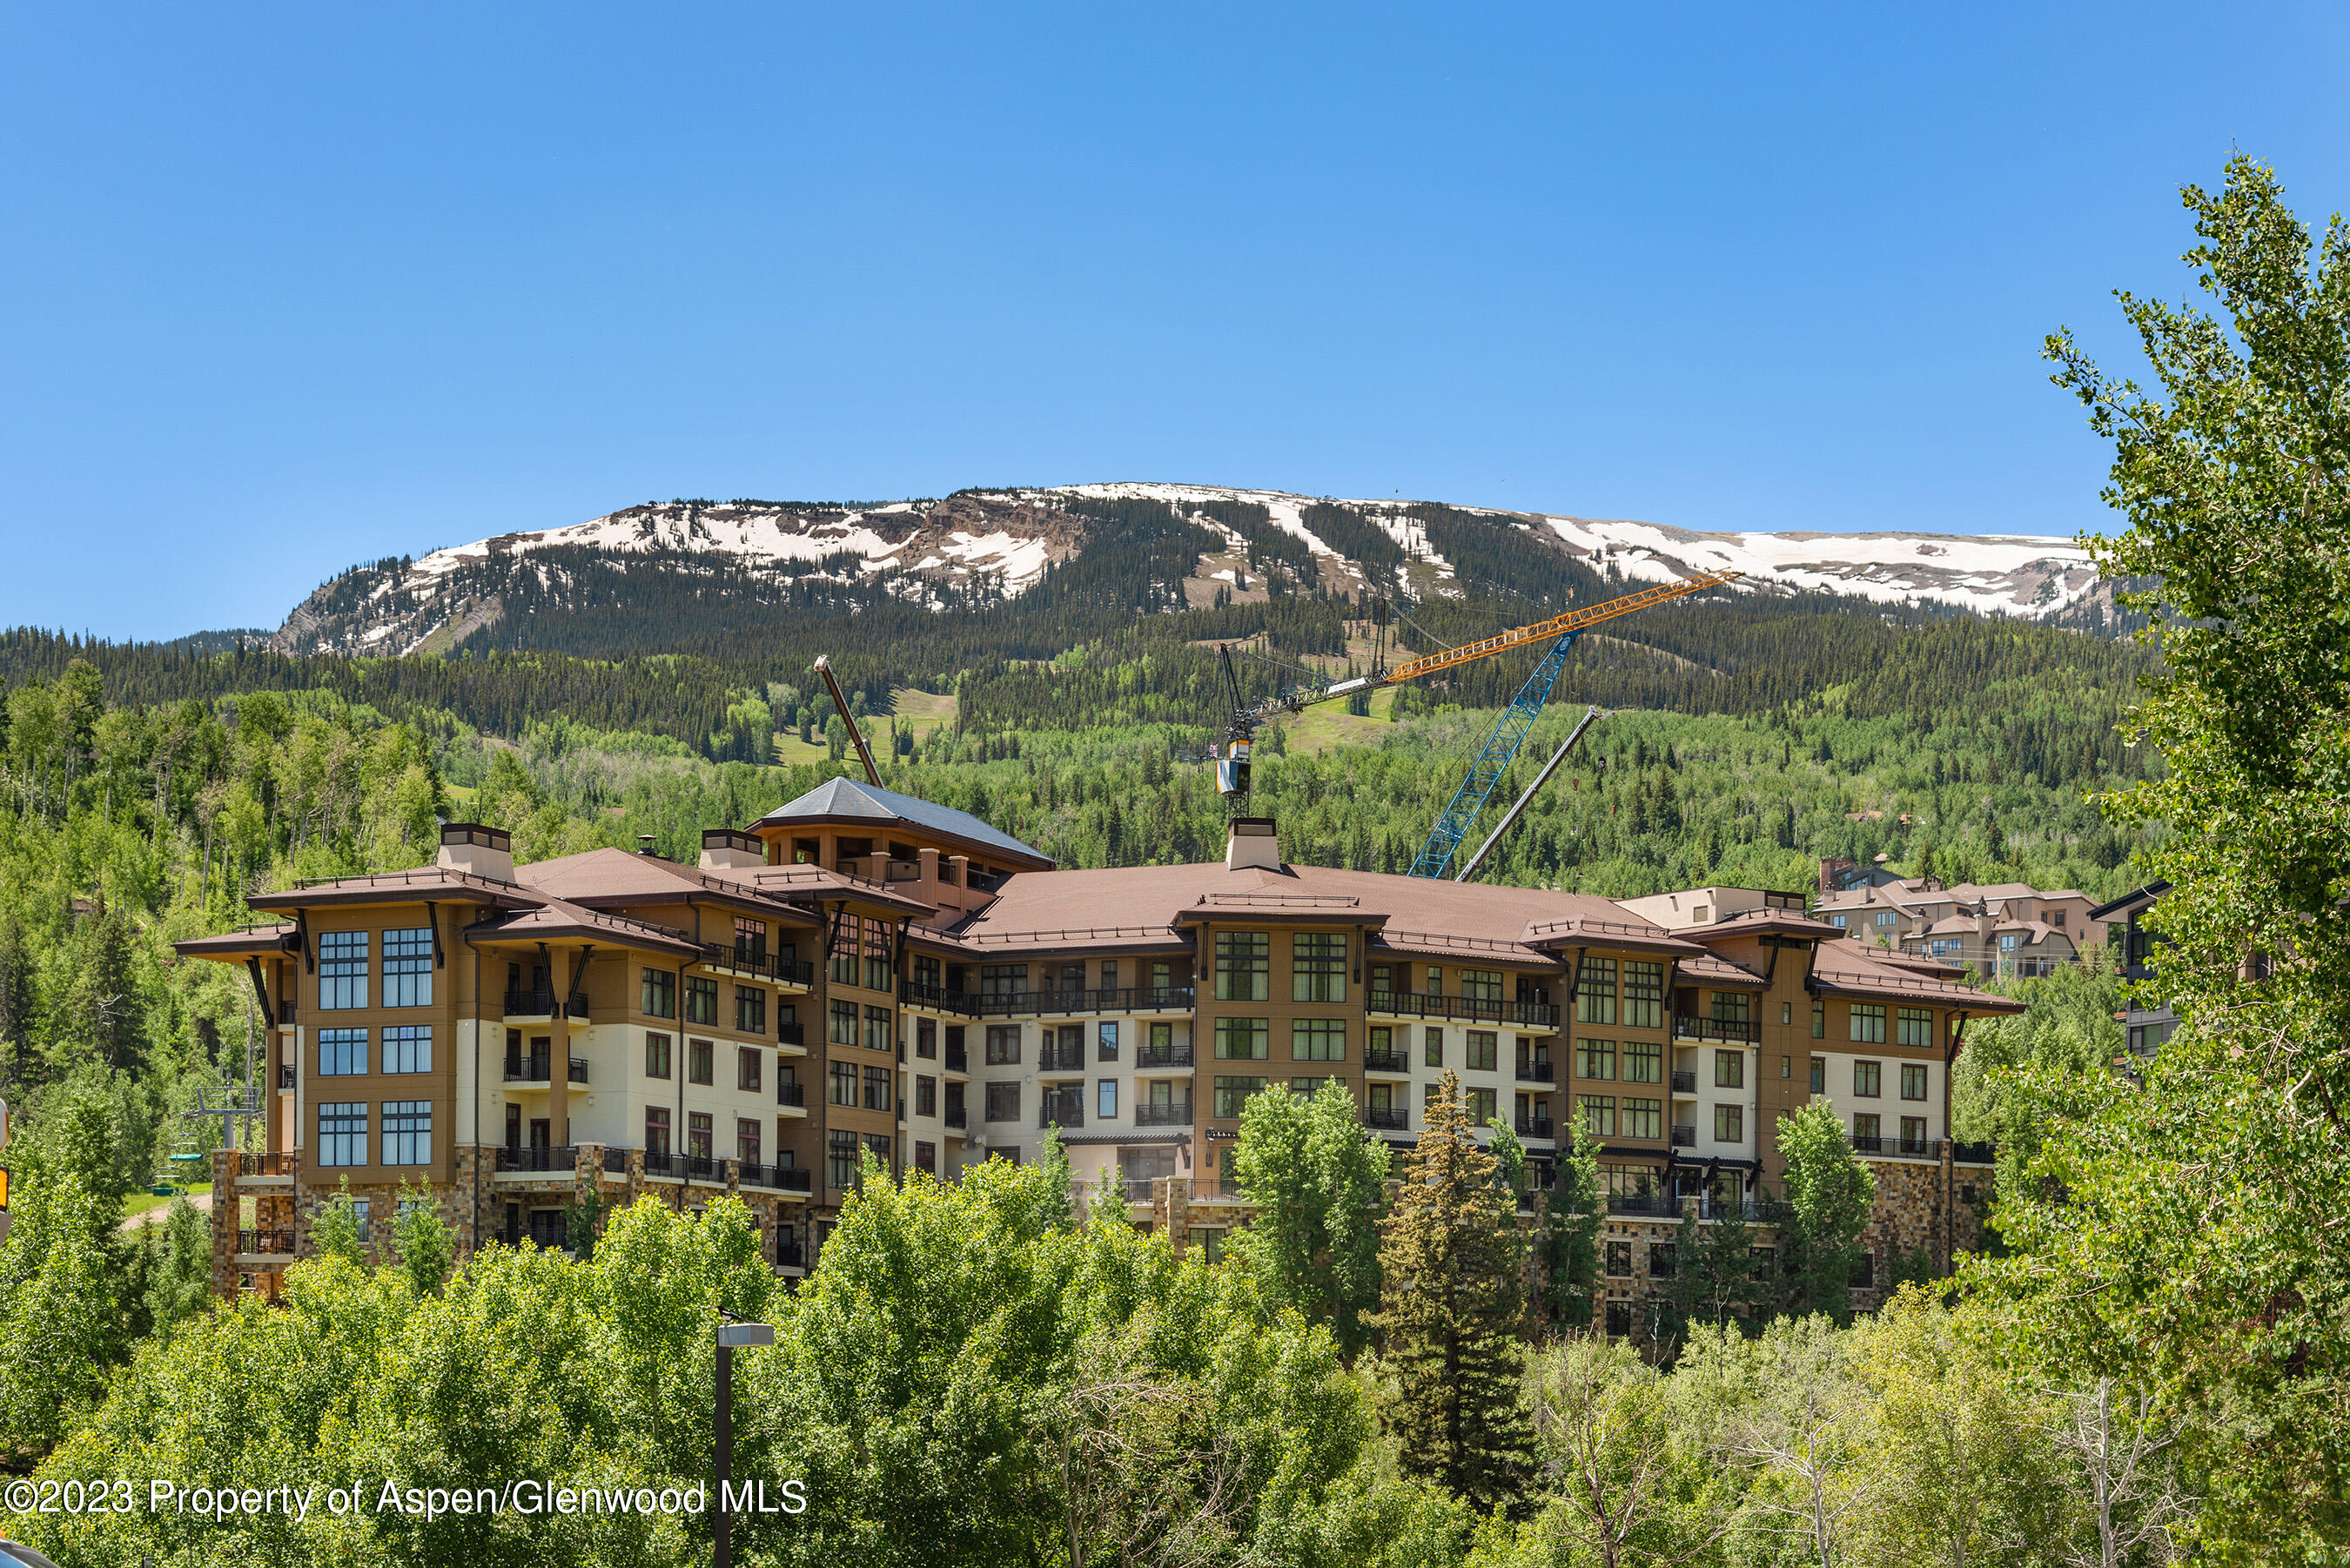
(856, 736)
(1557, 626)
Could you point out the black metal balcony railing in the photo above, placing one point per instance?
(1644, 1203)
(702, 1166)
(980, 882)
(1021, 1003)
(286, 1013)
(268, 1164)
(579, 1069)
(958, 1059)
(957, 1116)
(790, 1255)
(1738, 1030)
(1533, 1126)
(1388, 1118)
(558, 1157)
(1172, 1055)
(759, 964)
(790, 1034)
(1387, 1061)
(1056, 1059)
(1974, 1153)
(286, 1077)
(1684, 1083)
(1684, 1138)
(1415, 1004)
(792, 1095)
(615, 1161)
(1533, 1072)
(1061, 1115)
(543, 1003)
(273, 1243)
(661, 1162)
(532, 1069)
(1163, 1113)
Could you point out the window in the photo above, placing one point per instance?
(1483, 1105)
(1865, 1126)
(840, 1023)
(1644, 1118)
(926, 1037)
(658, 994)
(1660, 1259)
(342, 1133)
(926, 1158)
(408, 1048)
(656, 1055)
(1481, 985)
(1435, 981)
(1643, 1062)
(1003, 1102)
(1913, 1132)
(843, 970)
(840, 1082)
(1243, 966)
(876, 972)
(1868, 1079)
(1644, 994)
(342, 1050)
(1731, 1006)
(1819, 1075)
(1837, 921)
(1162, 1045)
(840, 1158)
(926, 1096)
(746, 1066)
(1729, 1069)
(1868, 1023)
(1162, 975)
(1485, 1051)
(1913, 1081)
(1003, 1044)
(1002, 979)
(1595, 990)
(698, 1132)
(1594, 1059)
(750, 1010)
(878, 1146)
(1819, 1018)
(877, 1088)
(407, 968)
(697, 1067)
(1317, 1040)
(1317, 966)
(408, 1132)
(1786, 1013)
(1619, 1259)
(1383, 978)
(1435, 1046)
(876, 1028)
(700, 1001)
(1598, 1113)
(1916, 1027)
(1619, 1319)
(1106, 1098)
(1787, 1066)
(342, 968)
(656, 1131)
(1105, 1039)
(1243, 1038)
(750, 937)
(1232, 1093)
(746, 1140)
(1729, 1124)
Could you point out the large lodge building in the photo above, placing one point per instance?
(861, 970)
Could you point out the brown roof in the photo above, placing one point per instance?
(601, 877)
(231, 946)
(414, 887)
(558, 919)
(809, 884)
(1716, 971)
(1846, 969)
(1781, 922)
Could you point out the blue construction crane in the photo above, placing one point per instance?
(1499, 751)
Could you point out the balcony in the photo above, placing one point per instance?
(1472, 1009)
(1387, 1062)
(1974, 1153)
(1062, 1114)
(774, 1177)
(1754, 1210)
(1647, 1203)
(267, 1164)
(1174, 1056)
(1168, 1114)
(1388, 1118)
(615, 1161)
(792, 1095)
(271, 1243)
(561, 1158)
(539, 1068)
(790, 1255)
(1685, 1138)
(1684, 1083)
(1133, 999)
(543, 1003)
(790, 1034)
(1725, 1031)
(286, 1077)
(1056, 1059)
(757, 963)
(957, 1116)
(958, 1059)
(661, 1162)
(1534, 1072)
(1533, 1126)
(901, 871)
(286, 1013)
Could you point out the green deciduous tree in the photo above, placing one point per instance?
(1567, 1236)
(1829, 1196)
(1316, 1179)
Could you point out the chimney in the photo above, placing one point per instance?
(730, 849)
(1252, 845)
(477, 850)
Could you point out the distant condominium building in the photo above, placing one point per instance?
(862, 973)
(2002, 929)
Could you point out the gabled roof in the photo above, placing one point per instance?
(597, 877)
(848, 802)
(556, 920)
(1850, 970)
(2129, 904)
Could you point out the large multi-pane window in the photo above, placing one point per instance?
(840, 1023)
(1644, 1118)
(1432, 1046)
(1868, 1126)
(1243, 966)
(1232, 1093)
(342, 1050)
(342, 1132)
(1481, 985)
(840, 1158)
(1598, 1113)
(1003, 1044)
(842, 969)
(746, 1140)
(658, 996)
(750, 1010)
(1916, 1026)
(701, 999)
(1729, 1124)
(1002, 979)
(1643, 1062)
(749, 938)
(342, 970)
(1867, 1080)
(1105, 1039)
(1595, 990)
(1317, 966)
(840, 1082)
(1644, 994)
(698, 1129)
(1868, 1023)
(1483, 1105)
(1003, 1102)
(1913, 1133)
(698, 1064)
(1106, 1098)
(876, 1028)
(1242, 1039)
(1913, 1081)
(657, 1056)
(1594, 1059)
(408, 1048)
(877, 954)
(1317, 1040)
(1732, 1007)
(878, 1146)
(1729, 1069)
(1485, 1051)
(877, 1088)
(1819, 1018)
(748, 1063)
(657, 1132)
(407, 968)
(408, 1132)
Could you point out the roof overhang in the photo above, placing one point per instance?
(235, 946)
(1024, 859)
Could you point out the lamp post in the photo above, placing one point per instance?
(731, 1336)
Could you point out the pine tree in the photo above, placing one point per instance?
(1452, 1294)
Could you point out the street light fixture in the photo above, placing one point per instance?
(733, 1335)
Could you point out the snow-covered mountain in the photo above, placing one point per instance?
(975, 547)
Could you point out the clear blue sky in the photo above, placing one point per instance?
(289, 287)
